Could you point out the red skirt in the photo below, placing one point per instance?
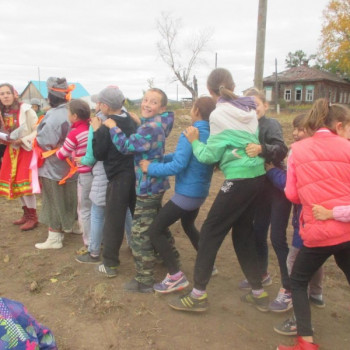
(15, 175)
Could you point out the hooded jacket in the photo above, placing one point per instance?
(231, 129)
(147, 143)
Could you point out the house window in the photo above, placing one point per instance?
(345, 96)
(341, 97)
(309, 93)
(287, 94)
(268, 93)
(298, 93)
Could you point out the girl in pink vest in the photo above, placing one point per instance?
(319, 173)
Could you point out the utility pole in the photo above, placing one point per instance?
(276, 90)
(216, 60)
(260, 45)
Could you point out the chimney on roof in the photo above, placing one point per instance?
(338, 73)
(305, 63)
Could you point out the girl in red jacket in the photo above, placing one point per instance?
(319, 173)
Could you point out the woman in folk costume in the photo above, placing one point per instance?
(59, 201)
(18, 121)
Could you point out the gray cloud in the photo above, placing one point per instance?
(107, 42)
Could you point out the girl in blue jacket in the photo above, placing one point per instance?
(192, 184)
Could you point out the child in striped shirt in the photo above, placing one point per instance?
(75, 145)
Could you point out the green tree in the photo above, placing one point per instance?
(297, 58)
(335, 36)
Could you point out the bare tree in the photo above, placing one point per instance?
(150, 83)
(170, 52)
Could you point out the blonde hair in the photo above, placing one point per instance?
(254, 92)
(221, 83)
(324, 114)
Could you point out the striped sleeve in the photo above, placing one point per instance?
(69, 145)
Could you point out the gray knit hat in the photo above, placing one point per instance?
(54, 83)
(111, 96)
(35, 101)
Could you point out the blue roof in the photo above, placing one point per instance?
(78, 92)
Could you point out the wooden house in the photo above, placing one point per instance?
(304, 84)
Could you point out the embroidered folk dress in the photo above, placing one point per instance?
(15, 176)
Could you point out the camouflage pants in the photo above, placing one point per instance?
(146, 210)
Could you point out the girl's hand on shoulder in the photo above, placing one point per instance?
(96, 123)
(144, 163)
(191, 134)
(253, 150)
(321, 213)
(110, 123)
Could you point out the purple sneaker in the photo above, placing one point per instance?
(283, 302)
(169, 285)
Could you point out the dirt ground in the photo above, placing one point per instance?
(88, 311)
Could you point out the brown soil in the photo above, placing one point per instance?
(88, 311)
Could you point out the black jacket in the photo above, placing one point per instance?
(271, 139)
(114, 162)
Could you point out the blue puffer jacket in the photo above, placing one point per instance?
(192, 177)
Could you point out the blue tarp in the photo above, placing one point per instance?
(78, 92)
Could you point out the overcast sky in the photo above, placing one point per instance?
(104, 42)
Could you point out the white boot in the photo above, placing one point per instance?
(54, 241)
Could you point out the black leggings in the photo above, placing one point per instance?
(233, 209)
(307, 262)
(169, 214)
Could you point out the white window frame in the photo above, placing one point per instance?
(297, 89)
(288, 92)
(309, 96)
(268, 94)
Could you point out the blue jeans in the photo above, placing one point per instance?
(97, 222)
(84, 205)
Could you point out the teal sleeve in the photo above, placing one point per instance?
(89, 158)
